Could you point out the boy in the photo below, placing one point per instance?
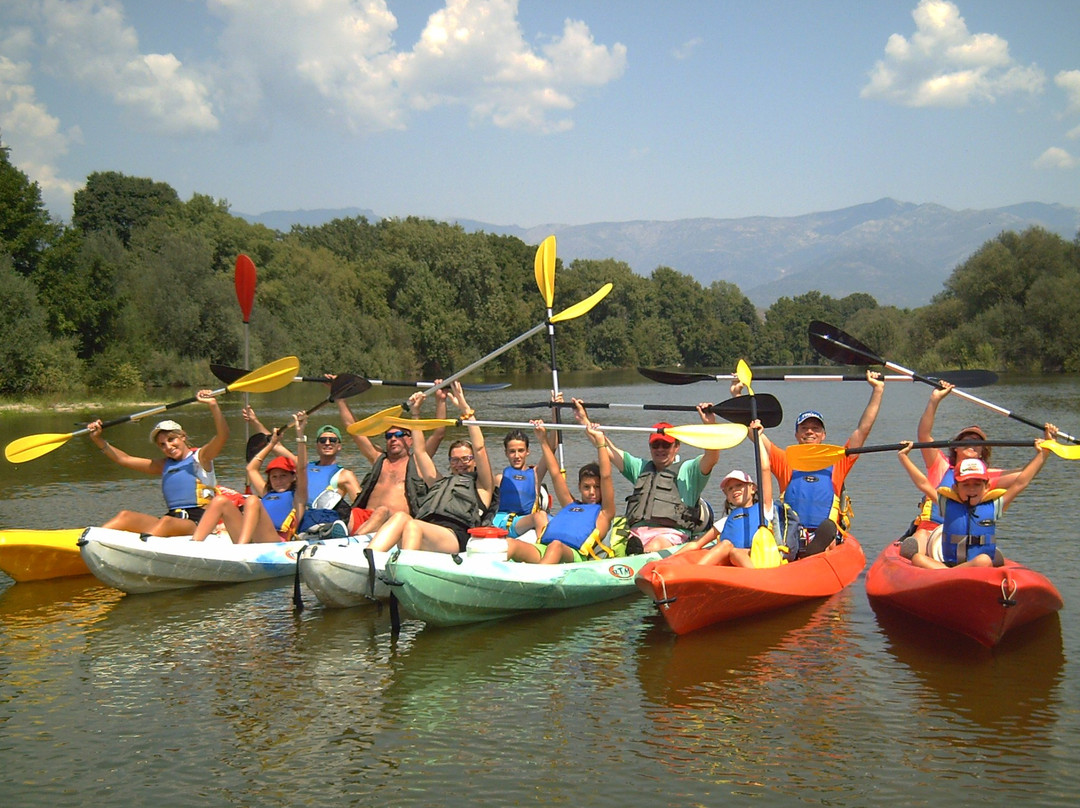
(519, 489)
(970, 510)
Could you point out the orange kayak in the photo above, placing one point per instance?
(983, 603)
(691, 596)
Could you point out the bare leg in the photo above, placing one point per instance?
(420, 535)
(378, 518)
(556, 553)
(517, 550)
(719, 554)
(134, 521)
(390, 533)
(171, 526)
(210, 518)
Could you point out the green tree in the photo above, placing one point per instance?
(25, 227)
(114, 203)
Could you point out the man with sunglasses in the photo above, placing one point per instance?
(394, 484)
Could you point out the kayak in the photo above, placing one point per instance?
(37, 555)
(338, 573)
(691, 596)
(984, 603)
(446, 589)
(137, 563)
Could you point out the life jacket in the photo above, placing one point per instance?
(280, 506)
(812, 496)
(967, 527)
(455, 499)
(415, 487)
(656, 500)
(740, 526)
(573, 525)
(930, 511)
(743, 523)
(186, 484)
(517, 491)
(321, 478)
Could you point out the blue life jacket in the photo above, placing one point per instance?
(811, 495)
(185, 484)
(970, 527)
(320, 478)
(740, 526)
(280, 506)
(947, 481)
(573, 525)
(517, 491)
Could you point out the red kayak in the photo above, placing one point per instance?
(691, 596)
(983, 603)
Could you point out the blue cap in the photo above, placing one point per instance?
(809, 414)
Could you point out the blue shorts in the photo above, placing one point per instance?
(504, 520)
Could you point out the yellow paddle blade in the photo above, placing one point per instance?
(763, 550)
(22, 449)
(708, 436)
(268, 378)
(583, 306)
(1070, 452)
(742, 371)
(813, 456)
(374, 424)
(545, 270)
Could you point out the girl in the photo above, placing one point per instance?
(276, 507)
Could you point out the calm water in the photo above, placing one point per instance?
(225, 696)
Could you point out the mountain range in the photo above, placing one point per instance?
(899, 252)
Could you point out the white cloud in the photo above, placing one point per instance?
(687, 49)
(341, 62)
(34, 135)
(945, 65)
(1055, 158)
(1069, 81)
(90, 42)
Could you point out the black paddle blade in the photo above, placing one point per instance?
(674, 377)
(227, 374)
(738, 410)
(348, 384)
(832, 343)
(256, 443)
(967, 378)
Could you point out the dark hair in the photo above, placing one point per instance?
(515, 434)
(589, 470)
(457, 443)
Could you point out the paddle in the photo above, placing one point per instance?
(734, 409)
(230, 374)
(376, 423)
(764, 553)
(960, 378)
(578, 309)
(342, 386)
(544, 268)
(834, 344)
(814, 456)
(703, 436)
(266, 379)
(244, 280)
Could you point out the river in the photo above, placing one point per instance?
(225, 696)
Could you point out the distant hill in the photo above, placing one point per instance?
(899, 252)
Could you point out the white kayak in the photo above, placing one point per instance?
(339, 574)
(137, 563)
(446, 590)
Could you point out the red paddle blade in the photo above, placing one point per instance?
(245, 285)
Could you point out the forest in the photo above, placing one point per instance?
(138, 291)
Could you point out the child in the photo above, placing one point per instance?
(970, 510)
(276, 507)
(187, 474)
(578, 520)
(734, 531)
(520, 488)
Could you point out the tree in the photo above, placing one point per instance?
(114, 203)
(25, 227)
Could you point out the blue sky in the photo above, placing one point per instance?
(549, 112)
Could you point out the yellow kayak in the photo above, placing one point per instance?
(34, 555)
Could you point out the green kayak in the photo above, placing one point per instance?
(448, 590)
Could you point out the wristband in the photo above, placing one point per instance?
(302, 439)
(469, 414)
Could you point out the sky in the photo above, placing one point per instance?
(549, 111)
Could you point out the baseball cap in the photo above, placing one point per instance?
(661, 437)
(971, 430)
(971, 468)
(329, 428)
(807, 414)
(164, 426)
(282, 462)
(735, 474)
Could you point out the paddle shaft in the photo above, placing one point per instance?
(936, 444)
(790, 377)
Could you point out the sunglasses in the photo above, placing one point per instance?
(397, 433)
(328, 440)
(462, 459)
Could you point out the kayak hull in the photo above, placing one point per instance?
(691, 596)
(338, 574)
(447, 590)
(137, 564)
(37, 555)
(984, 603)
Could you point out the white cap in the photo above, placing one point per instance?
(741, 476)
(164, 426)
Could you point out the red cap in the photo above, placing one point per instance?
(971, 468)
(281, 462)
(661, 437)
